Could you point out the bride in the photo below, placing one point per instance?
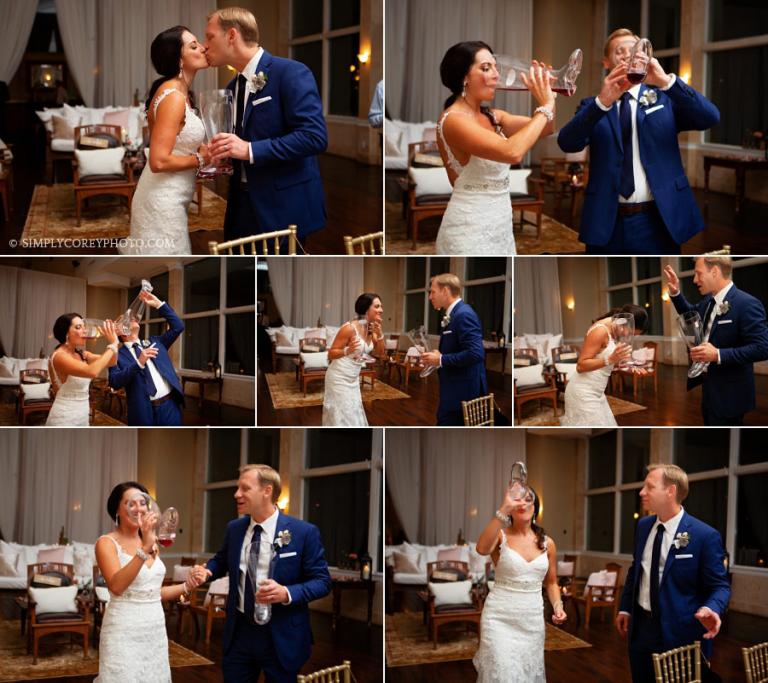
(71, 369)
(167, 183)
(478, 144)
(133, 644)
(342, 402)
(512, 625)
(585, 401)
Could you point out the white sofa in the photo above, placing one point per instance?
(81, 555)
(11, 367)
(543, 343)
(398, 135)
(85, 116)
(285, 339)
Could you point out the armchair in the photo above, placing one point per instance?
(438, 612)
(533, 388)
(35, 394)
(602, 589)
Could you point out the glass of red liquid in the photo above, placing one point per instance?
(639, 59)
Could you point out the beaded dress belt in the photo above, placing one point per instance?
(518, 585)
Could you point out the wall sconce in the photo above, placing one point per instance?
(364, 56)
(47, 75)
(636, 515)
(282, 502)
(570, 304)
(686, 76)
(665, 296)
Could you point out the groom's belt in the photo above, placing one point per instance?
(627, 209)
(160, 401)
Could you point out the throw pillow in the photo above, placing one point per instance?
(100, 161)
(51, 554)
(430, 181)
(54, 600)
(6, 568)
(404, 564)
(526, 377)
(36, 392)
(459, 593)
(315, 361)
(62, 130)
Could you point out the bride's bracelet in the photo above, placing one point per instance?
(546, 111)
(504, 519)
(200, 162)
(113, 347)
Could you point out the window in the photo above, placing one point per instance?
(602, 460)
(601, 522)
(635, 454)
(325, 35)
(752, 522)
(637, 281)
(700, 450)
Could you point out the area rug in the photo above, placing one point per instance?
(543, 416)
(58, 658)
(286, 392)
(407, 643)
(10, 418)
(52, 215)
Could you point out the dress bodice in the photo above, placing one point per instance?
(192, 133)
(148, 582)
(513, 572)
(74, 388)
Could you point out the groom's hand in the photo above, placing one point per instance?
(271, 591)
(614, 85)
(622, 624)
(656, 74)
(228, 145)
(709, 620)
(704, 353)
(431, 358)
(673, 282)
(149, 299)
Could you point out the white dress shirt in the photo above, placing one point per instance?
(670, 529)
(642, 191)
(268, 528)
(249, 71)
(161, 384)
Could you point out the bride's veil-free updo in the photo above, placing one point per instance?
(364, 302)
(457, 62)
(165, 53)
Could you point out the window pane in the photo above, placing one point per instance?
(701, 496)
(264, 447)
(619, 297)
(647, 268)
(155, 329)
(433, 320)
(439, 265)
(223, 454)
(631, 511)
(752, 522)
(619, 271)
(338, 506)
(671, 64)
(241, 282)
(479, 268)
(624, 14)
(488, 302)
(690, 291)
(201, 343)
(414, 310)
(602, 460)
(753, 279)
(220, 510)
(649, 297)
(240, 344)
(737, 19)
(415, 273)
(635, 454)
(600, 522)
(699, 450)
(753, 446)
(201, 285)
(732, 77)
(307, 17)
(311, 55)
(345, 75)
(664, 23)
(344, 13)
(327, 447)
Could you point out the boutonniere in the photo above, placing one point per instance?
(648, 98)
(445, 321)
(682, 540)
(145, 343)
(258, 81)
(282, 540)
(723, 308)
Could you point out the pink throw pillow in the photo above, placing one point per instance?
(51, 555)
(117, 118)
(453, 554)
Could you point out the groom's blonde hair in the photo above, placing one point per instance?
(672, 474)
(448, 280)
(618, 33)
(266, 476)
(724, 263)
(240, 19)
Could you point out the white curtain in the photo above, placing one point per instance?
(16, 18)
(443, 480)
(62, 478)
(310, 289)
(420, 31)
(77, 24)
(537, 296)
(8, 286)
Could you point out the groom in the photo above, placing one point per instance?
(291, 572)
(460, 355)
(677, 588)
(145, 370)
(735, 337)
(279, 130)
(638, 200)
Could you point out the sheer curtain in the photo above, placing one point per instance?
(58, 478)
(9, 278)
(420, 31)
(311, 289)
(16, 18)
(77, 25)
(537, 297)
(443, 480)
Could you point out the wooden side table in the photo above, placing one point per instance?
(740, 165)
(201, 379)
(340, 584)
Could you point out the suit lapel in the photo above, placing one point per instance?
(262, 66)
(237, 546)
(684, 525)
(283, 524)
(728, 296)
(640, 112)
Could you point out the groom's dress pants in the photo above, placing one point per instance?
(712, 418)
(251, 652)
(638, 233)
(646, 640)
(167, 414)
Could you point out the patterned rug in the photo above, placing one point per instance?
(286, 392)
(60, 658)
(52, 215)
(407, 643)
(9, 418)
(543, 415)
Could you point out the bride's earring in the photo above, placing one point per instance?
(464, 90)
(117, 520)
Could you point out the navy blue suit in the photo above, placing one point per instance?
(462, 371)
(130, 375)
(300, 567)
(284, 124)
(678, 219)
(741, 335)
(694, 576)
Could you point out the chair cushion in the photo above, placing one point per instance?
(522, 197)
(95, 162)
(48, 617)
(457, 593)
(568, 369)
(54, 600)
(102, 593)
(110, 178)
(455, 608)
(38, 392)
(528, 377)
(217, 587)
(430, 181)
(62, 145)
(433, 199)
(315, 361)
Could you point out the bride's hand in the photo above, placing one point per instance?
(205, 152)
(352, 345)
(538, 83)
(507, 505)
(621, 352)
(376, 330)
(559, 616)
(108, 332)
(147, 522)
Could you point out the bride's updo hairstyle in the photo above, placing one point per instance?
(457, 62)
(539, 531)
(364, 302)
(165, 53)
(61, 328)
(638, 313)
(113, 502)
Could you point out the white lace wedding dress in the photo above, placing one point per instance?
(342, 402)
(159, 211)
(512, 625)
(478, 219)
(585, 401)
(133, 645)
(71, 407)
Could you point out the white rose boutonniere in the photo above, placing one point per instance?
(723, 308)
(445, 321)
(682, 540)
(283, 539)
(145, 343)
(648, 98)
(258, 81)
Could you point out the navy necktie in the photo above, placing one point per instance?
(625, 122)
(240, 105)
(654, 577)
(151, 388)
(249, 603)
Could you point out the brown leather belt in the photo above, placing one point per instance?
(160, 401)
(637, 207)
